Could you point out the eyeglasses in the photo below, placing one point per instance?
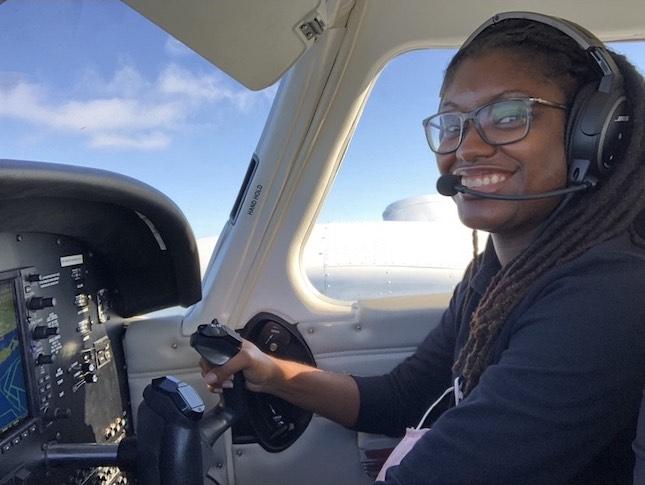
(498, 123)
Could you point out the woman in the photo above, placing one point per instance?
(545, 336)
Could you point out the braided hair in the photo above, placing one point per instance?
(588, 218)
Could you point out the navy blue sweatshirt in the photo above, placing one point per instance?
(560, 400)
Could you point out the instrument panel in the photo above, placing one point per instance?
(62, 375)
(81, 249)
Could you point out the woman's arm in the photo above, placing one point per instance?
(332, 395)
(559, 401)
(378, 404)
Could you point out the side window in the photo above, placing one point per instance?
(384, 230)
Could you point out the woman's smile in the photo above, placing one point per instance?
(484, 179)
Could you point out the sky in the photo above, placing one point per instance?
(93, 83)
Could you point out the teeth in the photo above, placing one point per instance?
(483, 181)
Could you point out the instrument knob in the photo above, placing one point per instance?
(40, 302)
(44, 359)
(43, 331)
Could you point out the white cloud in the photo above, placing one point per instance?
(175, 80)
(126, 110)
(27, 102)
(117, 114)
(151, 141)
(126, 82)
(174, 48)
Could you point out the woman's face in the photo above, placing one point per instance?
(534, 164)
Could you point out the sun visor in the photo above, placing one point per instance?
(255, 42)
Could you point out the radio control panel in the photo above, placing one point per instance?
(63, 376)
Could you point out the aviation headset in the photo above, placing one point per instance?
(599, 120)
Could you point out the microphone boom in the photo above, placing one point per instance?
(450, 185)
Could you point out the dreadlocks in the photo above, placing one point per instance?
(587, 219)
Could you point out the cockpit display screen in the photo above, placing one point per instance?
(13, 390)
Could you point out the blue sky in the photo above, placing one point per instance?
(94, 84)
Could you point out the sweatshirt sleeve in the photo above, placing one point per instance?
(563, 397)
(391, 402)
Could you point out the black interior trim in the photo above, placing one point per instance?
(273, 423)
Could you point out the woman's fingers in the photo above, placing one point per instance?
(218, 377)
(257, 367)
(227, 384)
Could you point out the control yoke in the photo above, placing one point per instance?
(217, 344)
(167, 447)
(171, 425)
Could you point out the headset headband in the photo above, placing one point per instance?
(611, 77)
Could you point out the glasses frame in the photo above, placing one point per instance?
(472, 115)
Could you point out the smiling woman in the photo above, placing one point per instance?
(95, 84)
(541, 347)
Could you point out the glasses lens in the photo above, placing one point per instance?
(504, 121)
(443, 132)
(499, 123)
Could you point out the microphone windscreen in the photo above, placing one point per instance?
(446, 184)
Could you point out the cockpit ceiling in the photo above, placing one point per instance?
(255, 42)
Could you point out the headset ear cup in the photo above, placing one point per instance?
(574, 121)
(616, 133)
(597, 132)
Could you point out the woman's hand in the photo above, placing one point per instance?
(259, 369)
(334, 396)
